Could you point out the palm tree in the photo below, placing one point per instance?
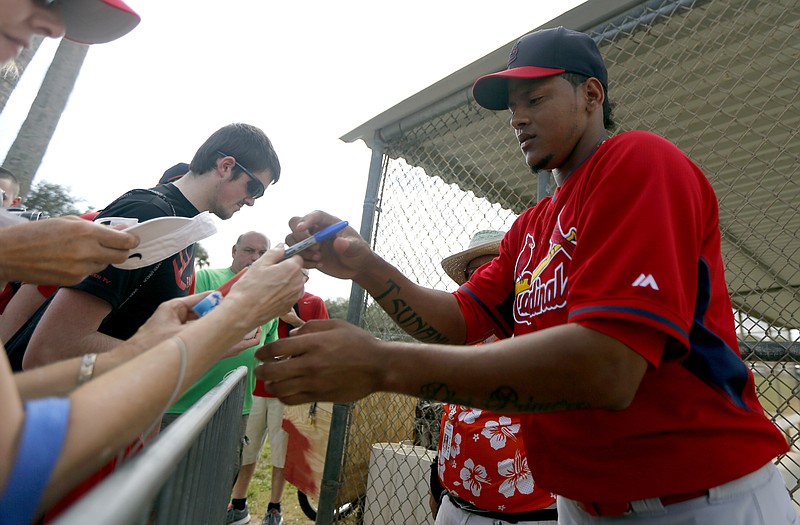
(10, 76)
(27, 151)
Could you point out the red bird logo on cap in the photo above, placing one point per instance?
(513, 55)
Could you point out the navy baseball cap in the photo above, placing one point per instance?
(174, 173)
(543, 53)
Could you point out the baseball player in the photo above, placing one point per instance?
(624, 358)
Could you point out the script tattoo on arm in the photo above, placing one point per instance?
(442, 392)
(506, 398)
(502, 399)
(406, 318)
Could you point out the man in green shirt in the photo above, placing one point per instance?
(249, 247)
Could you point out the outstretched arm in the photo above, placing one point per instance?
(560, 368)
(60, 251)
(60, 377)
(425, 314)
(19, 309)
(68, 329)
(268, 289)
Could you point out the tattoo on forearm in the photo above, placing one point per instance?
(502, 399)
(392, 287)
(505, 398)
(441, 392)
(406, 318)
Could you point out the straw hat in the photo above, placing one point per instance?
(484, 242)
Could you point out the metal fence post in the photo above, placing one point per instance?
(341, 411)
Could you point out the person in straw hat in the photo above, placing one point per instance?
(483, 247)
(487, 445)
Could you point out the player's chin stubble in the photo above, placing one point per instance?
(539, 166)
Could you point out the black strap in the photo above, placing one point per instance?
(510, 517)
(149, 195)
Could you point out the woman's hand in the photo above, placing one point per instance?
(168, 319)
(61, 251)
(243, 345)
(268, 289)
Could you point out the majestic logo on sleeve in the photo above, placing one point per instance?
(541, 278)
(646, 281)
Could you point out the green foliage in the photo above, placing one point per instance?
(337, 308)
(53, 199)
(201, 257)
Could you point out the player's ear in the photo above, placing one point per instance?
(594, 94)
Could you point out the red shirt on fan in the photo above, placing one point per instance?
(631, 248)
(307, 308)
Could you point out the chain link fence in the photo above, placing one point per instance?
(719, 79)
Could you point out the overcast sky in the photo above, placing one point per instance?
(305, 72)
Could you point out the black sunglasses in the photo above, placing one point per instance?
(255, 188)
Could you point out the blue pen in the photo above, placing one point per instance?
(211, 301)
(318, 237)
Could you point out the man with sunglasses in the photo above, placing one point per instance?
(230, 170)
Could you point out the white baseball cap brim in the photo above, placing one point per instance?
(97, 21)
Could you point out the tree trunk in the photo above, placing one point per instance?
(28, 149)
(10, 76)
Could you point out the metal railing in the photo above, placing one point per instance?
(184, 476)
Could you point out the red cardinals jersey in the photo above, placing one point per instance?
(630, 246)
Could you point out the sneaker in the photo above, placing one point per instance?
(272, 517)
(238, 517)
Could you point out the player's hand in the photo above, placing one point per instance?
(328, 360)
(343, 256)
(61, 251)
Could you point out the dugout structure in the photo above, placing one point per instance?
(718, 78)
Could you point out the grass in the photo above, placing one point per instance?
(259, 491)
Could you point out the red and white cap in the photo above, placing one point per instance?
(97, 21)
